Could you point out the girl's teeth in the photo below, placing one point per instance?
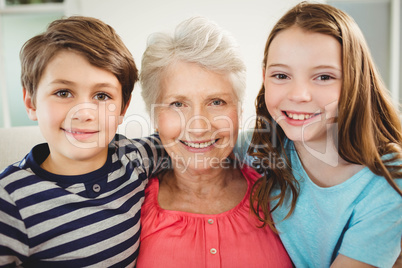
(299, 116)
(199, 145)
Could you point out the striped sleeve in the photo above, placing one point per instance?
(152, 153)
(14, 246)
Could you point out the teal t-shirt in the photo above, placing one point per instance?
(360, 218)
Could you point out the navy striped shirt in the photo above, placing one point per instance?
(90, 220)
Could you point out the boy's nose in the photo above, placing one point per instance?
(84, 112)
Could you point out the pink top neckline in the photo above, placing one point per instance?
(154, 192)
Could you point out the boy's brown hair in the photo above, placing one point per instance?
(92, 38)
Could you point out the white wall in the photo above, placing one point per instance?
(249, 21)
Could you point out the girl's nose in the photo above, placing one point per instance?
(299, 92)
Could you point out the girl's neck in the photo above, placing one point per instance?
(324, 165)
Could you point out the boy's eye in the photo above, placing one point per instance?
(324, 77)
(176, 104)
(280, 76)
(63, 94)
(102, 97)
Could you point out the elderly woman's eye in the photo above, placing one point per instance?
(218, 102)
(176, 104)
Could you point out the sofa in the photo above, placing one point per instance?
(16, 142)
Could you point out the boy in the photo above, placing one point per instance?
(75, 201)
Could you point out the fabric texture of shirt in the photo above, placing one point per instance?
(360, 218)
(90, 220)
(229, 239)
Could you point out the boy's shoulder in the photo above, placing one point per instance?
(13, 176)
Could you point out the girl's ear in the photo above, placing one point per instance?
(263, 74)
(29, 105)
(123, 112)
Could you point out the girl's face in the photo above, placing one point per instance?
(303, 80)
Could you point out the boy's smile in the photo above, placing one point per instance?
(77, 107)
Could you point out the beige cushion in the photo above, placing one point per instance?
(16, 142)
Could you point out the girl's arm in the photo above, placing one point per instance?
(341, 261)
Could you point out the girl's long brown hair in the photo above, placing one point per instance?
(369, 126)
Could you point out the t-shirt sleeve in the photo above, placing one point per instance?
(375, 232)
(13, 237)
(152, 153)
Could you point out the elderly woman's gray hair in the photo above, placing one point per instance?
(197, 40)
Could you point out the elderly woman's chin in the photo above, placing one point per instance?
(199, 162)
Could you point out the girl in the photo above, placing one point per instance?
(332, 157)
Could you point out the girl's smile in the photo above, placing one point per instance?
(299, 118)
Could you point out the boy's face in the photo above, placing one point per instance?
(78, 109)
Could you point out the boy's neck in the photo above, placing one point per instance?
(68, 167)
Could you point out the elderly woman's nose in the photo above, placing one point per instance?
(198, 123)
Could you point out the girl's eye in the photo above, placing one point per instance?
(218, 102)
(63, 94)
(280, 76)
(176, 104)
(102, 97)
(324, 77)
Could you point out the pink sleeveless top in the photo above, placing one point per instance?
(229, 239)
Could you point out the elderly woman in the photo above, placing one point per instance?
(197, 212)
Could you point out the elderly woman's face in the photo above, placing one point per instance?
(198, 117)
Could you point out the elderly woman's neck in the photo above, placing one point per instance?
(211, 192)
(199, 181)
